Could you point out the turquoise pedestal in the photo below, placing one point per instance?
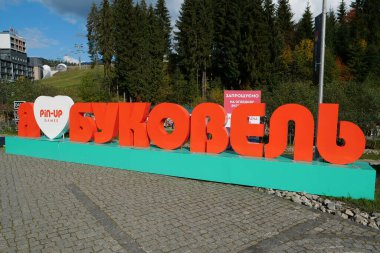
(355, 180)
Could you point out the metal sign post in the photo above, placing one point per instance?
(321, 64)
(16, 105)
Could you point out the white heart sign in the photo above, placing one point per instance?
(52, 115)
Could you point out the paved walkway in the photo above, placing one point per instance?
(49, 206)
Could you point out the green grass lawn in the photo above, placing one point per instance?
(69, 79)
(67, 83)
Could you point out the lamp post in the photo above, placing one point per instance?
(79, 51)
(322, 66)
(323, 40)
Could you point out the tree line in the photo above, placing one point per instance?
(237, 44)
(232, 44)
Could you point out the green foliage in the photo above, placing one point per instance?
(25, 90)
(92, 34)
(254, 51)
(93, 88)
(285, 21)
(305, 28)
(105, 40)
(232, 44)
(162, 13)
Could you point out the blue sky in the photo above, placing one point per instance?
(53, 27)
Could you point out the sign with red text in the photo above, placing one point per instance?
(137, 125)
(52, 115)
(234, 98)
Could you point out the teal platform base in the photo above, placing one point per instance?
(356, 180)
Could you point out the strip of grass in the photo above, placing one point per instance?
(371, 156)
(364, 204)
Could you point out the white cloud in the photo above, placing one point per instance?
(71, 10)
(70, 59)
(35, 38)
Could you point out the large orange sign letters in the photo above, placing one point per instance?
(205, 128)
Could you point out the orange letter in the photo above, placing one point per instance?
(106, 119)
(82, 128)
(132, 124)
(352, 135)
(304, 132)
(241, 129)
(200, 129)
(156, 130)
(27, 125)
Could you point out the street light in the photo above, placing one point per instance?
(322, 65)
(79, 51)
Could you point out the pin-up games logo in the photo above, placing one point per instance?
(52, 115)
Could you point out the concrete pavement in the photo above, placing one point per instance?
(49, 206)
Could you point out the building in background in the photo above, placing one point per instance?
(13, 58)
(36, 63)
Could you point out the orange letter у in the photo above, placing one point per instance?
(157, 132)
(132, 124)
(200, 129)
(352, 135)
(241, 129)
(304, 132)
(107, 120)
(27, 125)
(82, 128)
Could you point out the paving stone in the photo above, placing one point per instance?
(52, 206)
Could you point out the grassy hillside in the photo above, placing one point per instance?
(67, 83)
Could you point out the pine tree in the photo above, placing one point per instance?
(154, 65)
(330, 30)
(255, 53)
(204, 30)
(137, 76)
(123, 37)
(305, 25)
(343, 33)
(371, 12)
(92, 35)
(232, 38)
(285, 22)
(275, 42)
(194, 41)
(106, 38)
(162, 13)
(342, 12)
(186, 40)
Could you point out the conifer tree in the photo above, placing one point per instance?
(305, 25)
(194, 41)
(154, 64)
(275, 42)
(330, 30)
(227, 22)
(123, 36)
(162, 13)
(285, 22)
(255, 53)
(138, 73)
(106, 37)
(342, 12)
(92, 35)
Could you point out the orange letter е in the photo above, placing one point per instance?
(241, 129)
